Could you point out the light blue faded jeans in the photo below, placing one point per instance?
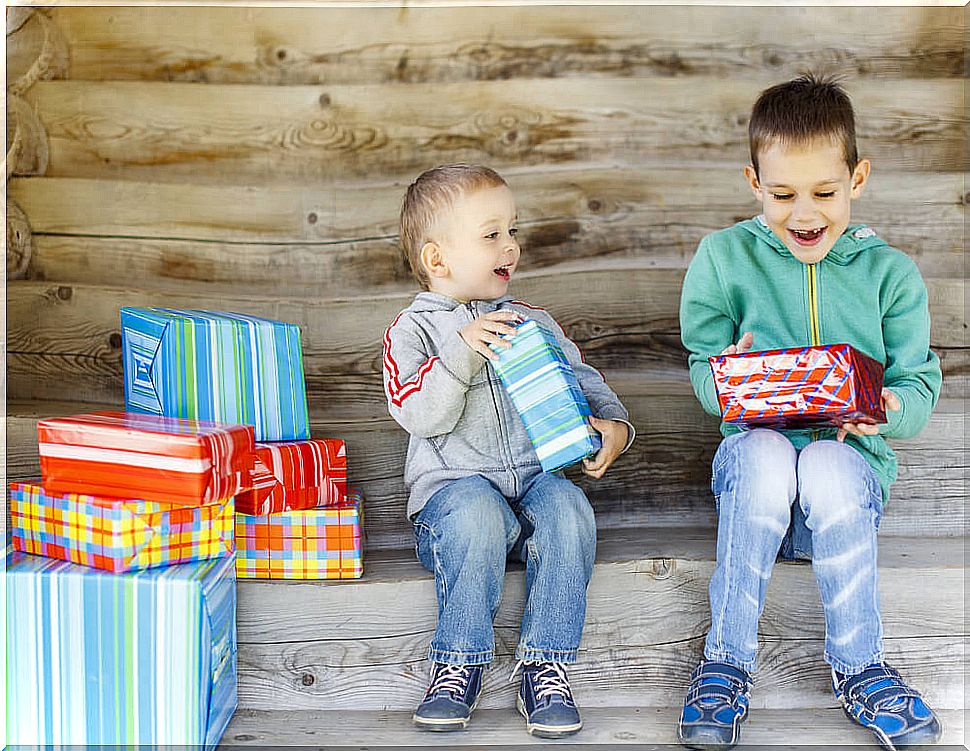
(464, 535)
(758, 478)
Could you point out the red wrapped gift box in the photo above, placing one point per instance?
(296, 475)
(804, 387)
(164, 459)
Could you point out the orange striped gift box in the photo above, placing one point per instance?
(322, 543)
(163, 459)
(114, 534)
(296, 475)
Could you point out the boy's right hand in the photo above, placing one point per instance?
(743, 345)
(488, 329)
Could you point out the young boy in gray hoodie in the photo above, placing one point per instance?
(477, 492)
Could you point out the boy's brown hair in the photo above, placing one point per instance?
(434, 190)
(798, 111)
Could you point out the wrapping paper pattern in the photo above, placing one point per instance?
(546, 394)
(296, 475)
(95, 658)
(117, 535)
(123, 455)
(224, 367)
(803, 387)
(323, 543)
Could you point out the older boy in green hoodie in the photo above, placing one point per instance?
(799, 274)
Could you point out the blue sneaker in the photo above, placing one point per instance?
(879, 699)
(452, 696)
(715, 707)
(546, 700)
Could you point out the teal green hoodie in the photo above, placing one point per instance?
(863, 293)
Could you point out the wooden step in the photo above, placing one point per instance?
(795, 729)
(663, 480)
(332, 239)
(326, 645)
(229, 134)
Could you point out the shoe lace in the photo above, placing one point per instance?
(551, 680)
(451, 678)
(879, 687)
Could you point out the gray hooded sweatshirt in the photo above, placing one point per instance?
(460, 419)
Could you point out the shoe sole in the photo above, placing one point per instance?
(545, 731)
(442, 725)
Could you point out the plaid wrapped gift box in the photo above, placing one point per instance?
(124, 455)
(323, 543)
(224, 367)
(295, 475)
(543, 387)
(802, 387)
(114, 534)
(95, 658)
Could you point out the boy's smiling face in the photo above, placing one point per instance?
(475, 250)
(805, 192)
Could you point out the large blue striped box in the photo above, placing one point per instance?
(544, 390)
(223, 367)
(96, 658)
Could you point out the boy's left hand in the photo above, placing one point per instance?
(614, 435)
(890, 402)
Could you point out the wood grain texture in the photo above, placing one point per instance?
(323, 241)
(646, 618)
(642, 726)
(27, 150)
(664, 480)
(269, 134)
(434, 45)
(37, 51)
(20, 241)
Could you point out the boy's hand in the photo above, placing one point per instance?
(614, 435)
(890, 402)
(488, 329)
(743, 345)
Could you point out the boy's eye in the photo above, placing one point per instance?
(513, 231)
(491, 235)
(826, 194)
(781, 196)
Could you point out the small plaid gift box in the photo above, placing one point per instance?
(137, 660)
(116, 535)
(322, 543)
(125, 455)
(543, 387)
(803, 387)
(295, 475)
(224, 367)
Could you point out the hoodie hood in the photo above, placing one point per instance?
(856, 239)
(426, 302)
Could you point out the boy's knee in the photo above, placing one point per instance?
(476, 516)
(833, 483)
(568, 521)
(765, 471)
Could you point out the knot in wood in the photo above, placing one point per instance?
(307, 679)
(281, 54)
(244, 737)
(594, 204)
(324, 100)
(966, 199)
(114, 340)
(662, 568)
(312, 217)
(65, 293)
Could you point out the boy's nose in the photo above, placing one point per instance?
(804, 209)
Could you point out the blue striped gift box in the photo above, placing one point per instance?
(223, 367)
(95, 658)
(544, 390)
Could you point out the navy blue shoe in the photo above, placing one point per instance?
(546, 700)
(451, 697)
(715, 707)
(879, 699)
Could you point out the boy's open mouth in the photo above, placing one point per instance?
(504, 271)
(807, 237)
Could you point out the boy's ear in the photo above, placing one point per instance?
(752, 177)
(860, 175)
(433, 260)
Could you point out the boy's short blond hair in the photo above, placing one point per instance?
(798, 111)
(433, 191)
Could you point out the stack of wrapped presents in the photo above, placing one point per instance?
(125, 555)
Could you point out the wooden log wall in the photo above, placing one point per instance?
(254, 159)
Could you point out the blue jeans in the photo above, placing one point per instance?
(758, 476)
(463, 536)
